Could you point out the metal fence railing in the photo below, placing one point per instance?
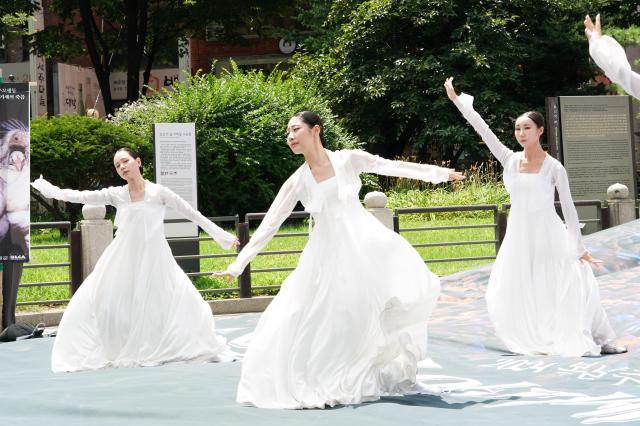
(490, 208)
(497, 222)
(245, 279)
(67, 246)
(220, 221)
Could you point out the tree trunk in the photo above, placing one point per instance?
(456, 157)
(136, 22)
(99, 60)
(147, 69)
(405, 138)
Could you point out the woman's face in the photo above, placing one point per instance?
(526, 132)
(126, 166)
(301, 137)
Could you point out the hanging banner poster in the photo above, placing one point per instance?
(14, 172)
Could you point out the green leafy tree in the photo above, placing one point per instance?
(14, 15)
(625, 36)
(621, 19)
(125, 34)
(382, 63)
(240, 117)
(615, 13)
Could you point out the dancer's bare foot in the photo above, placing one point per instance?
(611, 349)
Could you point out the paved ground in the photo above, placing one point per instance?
(470, 379)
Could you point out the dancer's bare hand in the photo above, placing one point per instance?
(224, 275)
(590, 29)
(451, 92)
(453, 175)
(591, 260)
(236, 243)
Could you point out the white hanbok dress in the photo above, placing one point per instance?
(350, 322)
(610, 56)
(541, 298)
(137, 307)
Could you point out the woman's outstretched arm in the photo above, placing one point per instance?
(280, 209)
(47, 189)
(363, 162)
(464, 103)
(610, 56)
(222, 237)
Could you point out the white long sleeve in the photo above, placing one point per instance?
(363, 162)
(279, 210)
(101, 197)
(464, 103)
(222, 237)
(610, 56)
(569, 212)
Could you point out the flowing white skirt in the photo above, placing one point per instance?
(137, 308)
(349, 324)
(541, 299)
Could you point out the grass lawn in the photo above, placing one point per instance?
(49, 274)
(482, 186)
(60, 255)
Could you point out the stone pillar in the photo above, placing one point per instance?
(376, 203)
(97, 234)
(622, 209)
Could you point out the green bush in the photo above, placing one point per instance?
(242, 155)
(76, 152)
(483, 185)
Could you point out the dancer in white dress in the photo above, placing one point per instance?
(610, 56)
(542, 296)
(350, 322)
(137, 307)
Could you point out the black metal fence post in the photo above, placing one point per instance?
(396, 223)
(604, 217)
(75, 257)
(244, 280)
(501, 228)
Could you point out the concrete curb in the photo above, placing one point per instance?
(240, 306)
(218, 307)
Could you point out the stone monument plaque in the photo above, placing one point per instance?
(593, 137)
(175, 168)
(597, 144)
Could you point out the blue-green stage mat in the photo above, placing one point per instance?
(470, 379)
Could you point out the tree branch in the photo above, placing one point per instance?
(150, 58)
(98, 36)
(86, 14)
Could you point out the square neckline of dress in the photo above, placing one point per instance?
(313, 178)
(144, 194)
(544, 161)
(326, 180)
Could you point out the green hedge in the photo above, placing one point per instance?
(240, 121)
(76, 152)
